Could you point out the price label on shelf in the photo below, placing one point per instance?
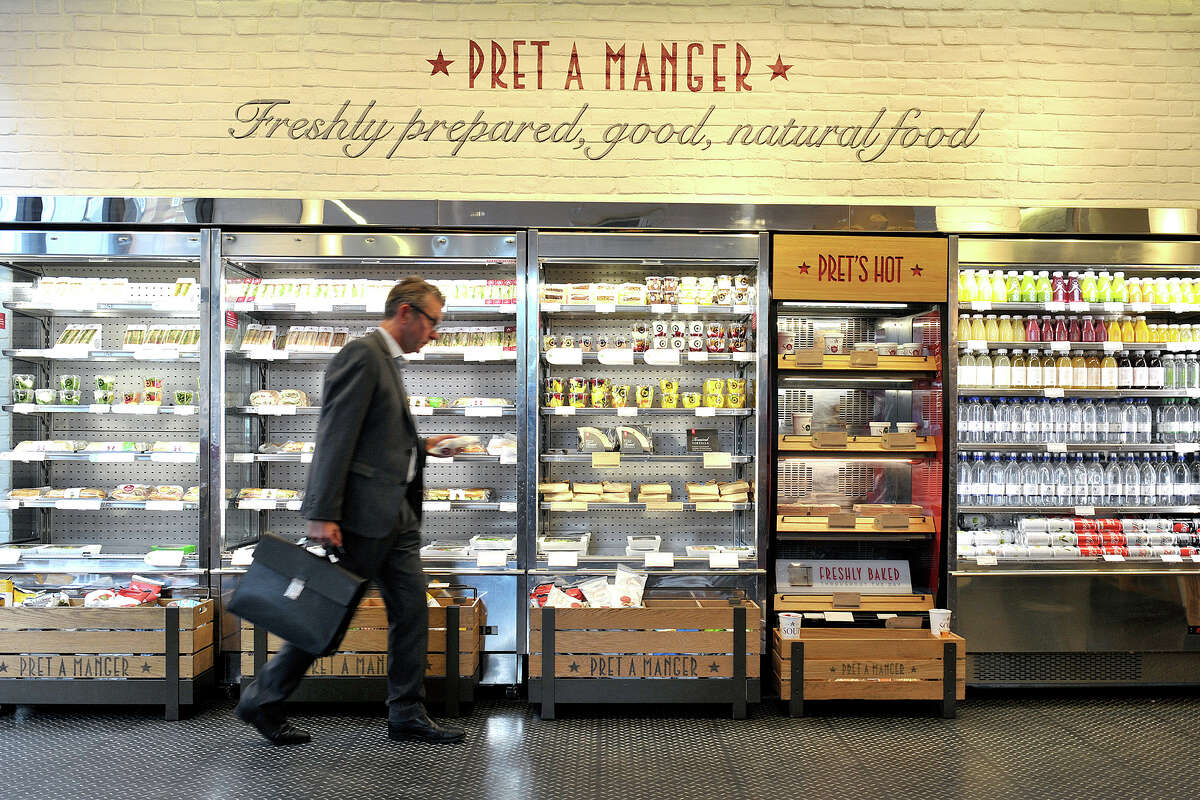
(1196, 559)
(743, 356)
(491, 558)
(508, 457)
(78, 505)
(183, 411)
(1140, 308)
(12, 504)
(112, 458)
(313, 307)
(156, 354)
(660, 308)
(1113, 347)
(714, 506)
(417, 356)
(1112, 557)
(241, 458)
(1062, 347)
(985, 561)
(742, 308)
(1053, 307)
(658, 558)
(615, 356)
(722, 560)
(257, 504)
(72, 352)
(718, 461)
(1053, 391)
(551, 308)
(627, 411)
(438, 460)
(1114, 308)
(605, 459)
(977, 344)
(705, 411)
(242, 557)
(164, 505)
(1085, 511)
(508, 508)
(1187, 447)
(174, 458)
(26, 408)
(564, 411)
(492, 353)
(1056, 447)
(306, 458)
(277, 411)
(606, 308)
(1172, 558)
(1181, 308)
(23, 456)
(436, 505)
(1193, 392)
(564, 355)
(839, 616)
(293, 505)
(1080, 307)
(697, 355)
(689, 308)
(562, 558)
(421, 411)
(662, 358)
(980, 305)
(9, 556)
(484, 411)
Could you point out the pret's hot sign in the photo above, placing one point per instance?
(862, 268)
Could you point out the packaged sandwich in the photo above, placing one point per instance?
(293, 397)
(265, 397)
(192, 495)
(131, 491)
(166, 493)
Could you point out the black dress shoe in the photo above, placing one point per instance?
(424, 729)
(275, 731)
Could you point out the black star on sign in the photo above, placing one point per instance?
(833, 670)
(714, 667)
(440, 64)
(914, 669)
(916, 271)
(804, 268)
(145, 667)
(3, 667)
(574, 666)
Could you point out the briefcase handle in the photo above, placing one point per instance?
(457, 590)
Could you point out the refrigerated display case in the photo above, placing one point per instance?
(103, 465)
(289, 303)
(647, 394)
(1076, 498)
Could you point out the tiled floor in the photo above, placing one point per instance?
(1099, 744)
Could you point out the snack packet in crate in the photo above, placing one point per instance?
(628, 589)
(598, 592)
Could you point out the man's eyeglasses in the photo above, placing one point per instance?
(423, 313)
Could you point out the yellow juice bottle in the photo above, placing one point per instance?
(964, 327)
(1005, 328)
(1141, 331)
(977, 331)
(1108, 372)
(1019, 381)
(1093, 371)
(1018, 329)
(1127, 332)
(1064, 370)
(991, 328)
(983, 286)
(1114, 330)
(1078, 370)
(1033, 370)
(1172, 333)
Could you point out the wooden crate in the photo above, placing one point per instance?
(674, 650)
(81, 650)
(870, 664)
(363, 653)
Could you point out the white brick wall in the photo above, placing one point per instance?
(1088, 101)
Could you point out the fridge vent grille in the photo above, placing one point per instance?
(1042, 668)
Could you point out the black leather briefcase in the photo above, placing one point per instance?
(300, 597)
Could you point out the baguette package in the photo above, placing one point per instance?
(587, 488)
(76, 493)
(734, 487)
(556, 487)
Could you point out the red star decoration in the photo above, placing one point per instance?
(916, 271)
(804, 269)
(440, 64)
(780, 69)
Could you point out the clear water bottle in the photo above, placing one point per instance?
(1116, 422)
(965, 490)
(1100, 409)
(1089, 422)
(988, 415)
(1149, 483)
(1181, 482)
(1062, 422)
(1164, 479)
(1164, 423)
(1014, 485)
(1003, 423)
(1114, 487)
(1145, 425)
(1047, 422)
(1079, 481)
(1127, 431)
(1095, 481)
(1029, 481)
(1061, 479)
(979, 480)
(1048, 492)
(1131, 478)
(997, 489)
(1185, 421)
(1074, 422)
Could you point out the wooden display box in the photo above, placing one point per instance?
(72, 655)
(358, 671)
(676, 650)
(869, 664)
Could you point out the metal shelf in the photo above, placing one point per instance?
(1081, 308)
(1171, 347)
(142, 410)
(100, 355)
(103, 310)
(616, 412)
(642, 507)
(1119, 394)
(102, 457)
(105, 505)
(1080, 566)
(261, 411)
(853, 537)
(1100, 511)
(300, 458)
(507, 359)
(588, 310)
(685, 359)
(286, 311)
(1072, 448)
(605, 564)
(639, 458)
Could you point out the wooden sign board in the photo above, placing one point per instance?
(860, 268)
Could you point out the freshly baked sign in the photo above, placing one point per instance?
(860, 268)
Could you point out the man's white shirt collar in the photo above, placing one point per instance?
(392, 345)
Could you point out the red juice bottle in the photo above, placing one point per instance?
(1060, 330)
(1058, 288)
(1032, 332)
(1074, 332)
(1047, 328)
(1088, 331)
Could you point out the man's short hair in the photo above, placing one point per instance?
(412, 290)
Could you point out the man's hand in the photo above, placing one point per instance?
(432, 442)
(329, 533)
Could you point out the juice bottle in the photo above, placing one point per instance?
(1104, 288)
(1033, 370)
(1060, 329)
(983, 370)
(966, 280)
(1012, 286)
(1004, 327)
(1101, 331)
(1002, 370)
(999, 290)
(1045, 290)
(1159, 334)
(991, 328)
(983, 286)
(1074, 290)
(1174, 290)
(1115, 332)
(1124, 370)
(1033, 333)
(1186, 334)
(1141, 370)
(1028, 288)
(1120, 292)
(977, 331)
(1172, 333)
(1141, 331)
(1047, 328)
(1156, 375)
(1108, 372)
(966, 370)
(1093, 371)
(1018, 329)
(1078, 370)
(1087, 288)
(1127, 332)
(1074, 330)
(1187, 292)
(964, 327)
(1135, 290)
(1162, 295)
(1087, 331)
(1049, 371)
(1058, 287)
(1065, 371)
(1018, 369)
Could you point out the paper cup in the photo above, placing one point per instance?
(790, 624)
(833, 343)
(906, 427)
(879, 428)
(939, 621)
(802, 424)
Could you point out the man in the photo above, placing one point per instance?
(364, 496)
